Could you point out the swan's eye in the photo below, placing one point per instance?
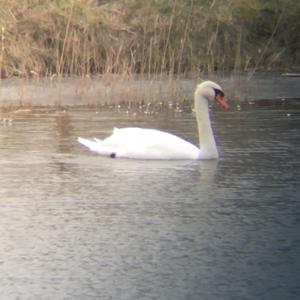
(219, 92)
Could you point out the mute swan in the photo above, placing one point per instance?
(139, 143)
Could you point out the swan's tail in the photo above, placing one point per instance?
(92, 145)
(97, 146)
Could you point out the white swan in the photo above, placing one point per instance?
(139, 143)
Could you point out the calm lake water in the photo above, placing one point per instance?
(74, 225)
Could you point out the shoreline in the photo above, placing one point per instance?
(116, 90)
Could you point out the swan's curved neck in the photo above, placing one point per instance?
(208, 147)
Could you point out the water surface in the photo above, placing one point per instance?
(74, 225)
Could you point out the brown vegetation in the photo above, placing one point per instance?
(77, 37)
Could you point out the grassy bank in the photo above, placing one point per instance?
(76, 37)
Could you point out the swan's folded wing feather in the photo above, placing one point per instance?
(142, 143)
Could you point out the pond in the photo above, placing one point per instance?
(78, 226)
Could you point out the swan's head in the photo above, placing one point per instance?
(212, 91)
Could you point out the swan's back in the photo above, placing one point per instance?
(142, 143)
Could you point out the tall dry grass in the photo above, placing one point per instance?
(161, 37)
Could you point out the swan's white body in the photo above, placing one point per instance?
(142, 143)
(139, 143)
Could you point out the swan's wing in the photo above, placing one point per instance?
(143, 144)
(150, 144)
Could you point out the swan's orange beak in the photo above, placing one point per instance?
(221, 100)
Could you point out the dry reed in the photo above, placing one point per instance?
(127, 37)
